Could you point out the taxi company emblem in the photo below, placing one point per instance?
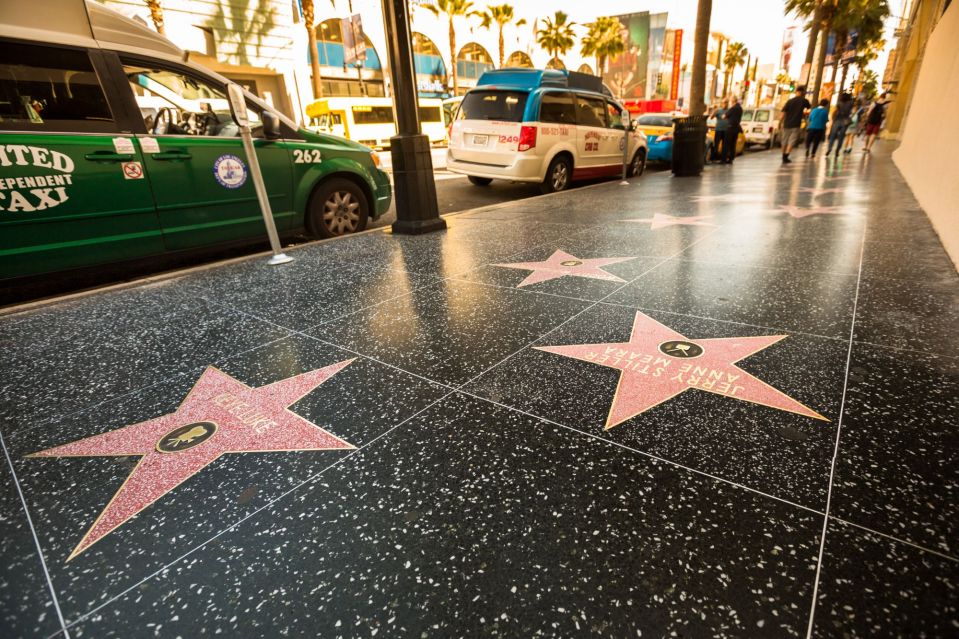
(229, 171)
(186, 437)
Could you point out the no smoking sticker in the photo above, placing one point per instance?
(132, 170)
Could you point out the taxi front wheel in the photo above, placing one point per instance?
(557, 175)
(338, 207)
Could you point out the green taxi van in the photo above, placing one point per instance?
(115, 147)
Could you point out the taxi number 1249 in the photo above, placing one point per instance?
(306, 156)
(508, 139)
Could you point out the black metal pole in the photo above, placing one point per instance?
(413, 185)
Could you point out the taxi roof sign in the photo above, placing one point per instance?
(529, 79)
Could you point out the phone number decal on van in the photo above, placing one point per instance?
(230, 171)
(36, 192)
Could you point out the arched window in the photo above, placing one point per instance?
(556, 63)
(329, 45)
(472, 61)
(430, 69)
(585, 68)
(519, 59)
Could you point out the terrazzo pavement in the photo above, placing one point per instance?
(478, 487)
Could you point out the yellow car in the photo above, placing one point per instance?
(740, 141)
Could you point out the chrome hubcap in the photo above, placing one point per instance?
(341, 213)
(560, 175)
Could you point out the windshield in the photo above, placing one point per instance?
(762, 116)
(506, 106)
(655, 120)
(747, 115)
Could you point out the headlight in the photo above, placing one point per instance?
(376, 159)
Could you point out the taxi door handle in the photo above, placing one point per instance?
(172, 155)
(107, 156)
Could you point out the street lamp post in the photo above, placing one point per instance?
(413, 185)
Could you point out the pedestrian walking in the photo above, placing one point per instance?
(733, 118)
(874, 118)
(793, 113)
(852, 131)
(816, 128)
(841, 121)
(719, 134)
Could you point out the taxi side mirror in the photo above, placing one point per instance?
(271, 126)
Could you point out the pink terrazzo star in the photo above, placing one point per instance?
(806, 211)
(657, 364)
(219, 415)
(561, 264)
(659, 221)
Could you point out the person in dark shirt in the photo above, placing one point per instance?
(840, 123)
(734, 115)
(874, 121)
(793, 113)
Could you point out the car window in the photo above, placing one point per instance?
(506, 106)
(747, 115)
(556, 107)
(654, 120)
(50, 89)
(762, 116)
(590, 111)
(175, 103)
(614, 117)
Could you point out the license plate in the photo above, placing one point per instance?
(757, 129)
(480, 140)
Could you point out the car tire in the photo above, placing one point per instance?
(638, 166)
(558, 175)
(338, 207)
(479, 181)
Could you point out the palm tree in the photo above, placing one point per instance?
(736, 54)
(869, 83)
(603, 40)
(308, 22)
(557, 36)
(453, 9)
(156, 14)
(697, 86)
(501, 14)
(812, 11)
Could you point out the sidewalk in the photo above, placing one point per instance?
(492, 430)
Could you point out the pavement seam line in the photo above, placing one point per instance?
(835, 454)
(894, 538)
(644, 453)
(36, 540)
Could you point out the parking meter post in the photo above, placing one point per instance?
(417, 210)
(238, 109)
(626, 123)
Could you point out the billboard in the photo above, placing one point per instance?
(626, 74)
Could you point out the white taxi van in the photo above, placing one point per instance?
(545, 126)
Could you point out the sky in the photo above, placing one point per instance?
(757, 23)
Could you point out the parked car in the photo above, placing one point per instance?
(761, 126)
(115, 148)
(659, 128)
(740, 140)
(545, 126)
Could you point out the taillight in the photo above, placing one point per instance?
(770, 129)
(527, 138)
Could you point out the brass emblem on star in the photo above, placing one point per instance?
(186, 437)
(678, 348)
(571, 263)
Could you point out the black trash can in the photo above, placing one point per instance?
(689, 145)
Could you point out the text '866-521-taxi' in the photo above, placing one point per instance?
(549, 127)
(114, 147)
